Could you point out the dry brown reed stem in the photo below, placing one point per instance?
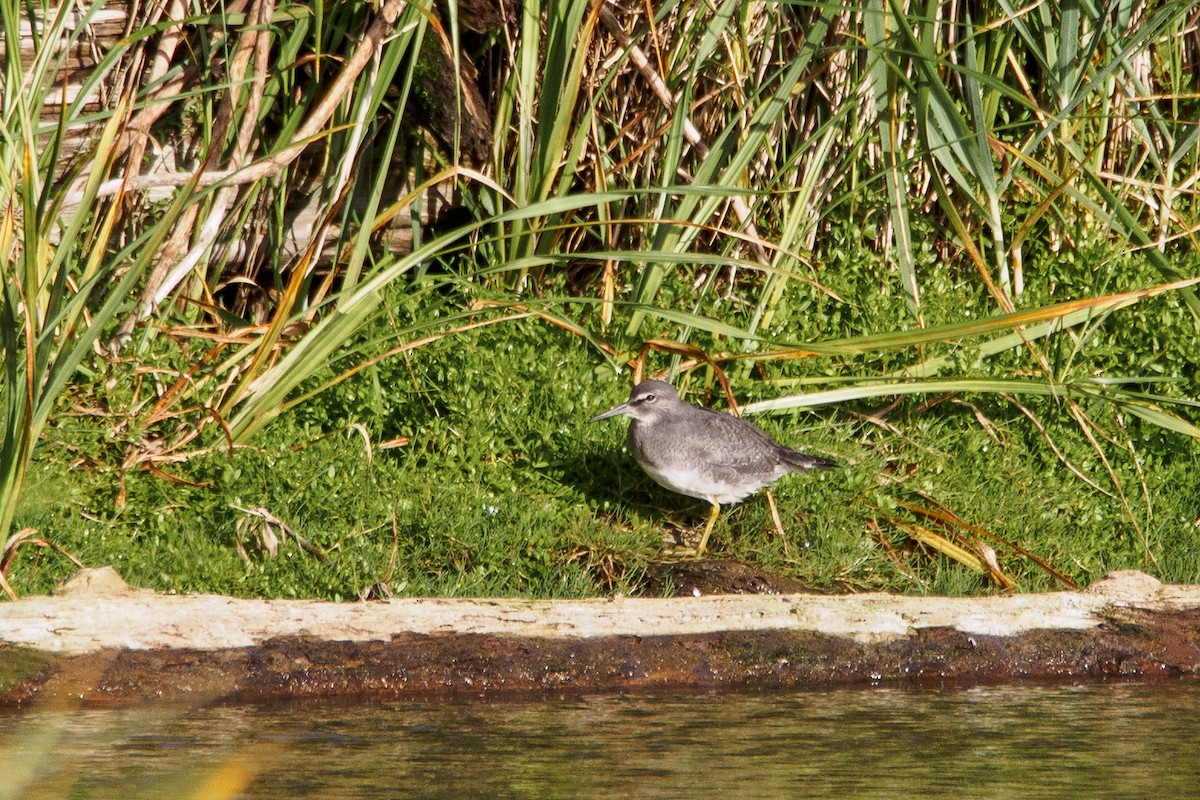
(270, 165)
(137, 132)
(255, 42)
(170, 267)
(161, 284)
(690, 132)
(15, 542)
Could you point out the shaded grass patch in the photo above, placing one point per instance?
(503, 489)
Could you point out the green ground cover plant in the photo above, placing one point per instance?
(951, 248)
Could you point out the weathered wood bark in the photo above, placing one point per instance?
(102, 641)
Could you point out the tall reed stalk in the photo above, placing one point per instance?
(62, 285)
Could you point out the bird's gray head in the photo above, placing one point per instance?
(647, 401)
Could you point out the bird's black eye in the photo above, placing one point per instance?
(649, 398)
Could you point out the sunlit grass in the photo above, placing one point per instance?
(500, 488)
(927, 225)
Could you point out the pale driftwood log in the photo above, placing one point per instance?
(99, 641)
(97, 611)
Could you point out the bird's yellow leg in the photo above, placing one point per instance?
(778, 523)
(712, 520)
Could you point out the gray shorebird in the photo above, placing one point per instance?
(703, 453)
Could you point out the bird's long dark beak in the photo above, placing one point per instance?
(612, 412)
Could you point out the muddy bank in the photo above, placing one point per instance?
(100, 641)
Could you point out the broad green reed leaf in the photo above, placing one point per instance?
(897, 178)
(899, 388)
(1155, 414)
(567, 43)
(788, 261)
(264, 394)
(1127, 224)
(1074, 310)
(1129, 402)
(953, 130)
(44, 292)
(664, 235)
(44, 343)
(729, 155)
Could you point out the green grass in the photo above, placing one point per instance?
(503, 489)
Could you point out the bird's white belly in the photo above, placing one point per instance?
(692, 484)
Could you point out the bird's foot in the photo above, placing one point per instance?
(683, 551)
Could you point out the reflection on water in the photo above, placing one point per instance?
(1092, 741)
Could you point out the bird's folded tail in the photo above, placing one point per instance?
(804, 462)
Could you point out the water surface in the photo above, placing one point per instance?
(1096, 741)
